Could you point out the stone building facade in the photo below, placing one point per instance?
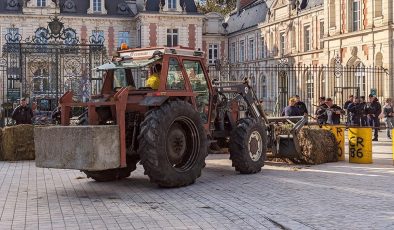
(108, 23)
(333, 48)
(360, 33)
(262, 34)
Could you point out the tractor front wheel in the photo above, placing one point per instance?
(248, 147)
(173, 144)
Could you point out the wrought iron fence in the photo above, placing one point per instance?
(275, 84)
(46, 65)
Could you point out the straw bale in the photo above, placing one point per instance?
(317, 145)
(18, 143)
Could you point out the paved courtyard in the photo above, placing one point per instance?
(330, 196)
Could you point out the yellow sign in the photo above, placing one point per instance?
(360, 145)
(339, 133)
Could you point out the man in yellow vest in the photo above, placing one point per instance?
(154, 79)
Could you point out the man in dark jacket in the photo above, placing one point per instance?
(333, 112)
(320, 113)
(355, 110)
(301, 105)
(348, 102)
(363, 115)
(292, 110)
(23, 113)
(373, 110)
(346, 105)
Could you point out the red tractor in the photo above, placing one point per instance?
(168, 129)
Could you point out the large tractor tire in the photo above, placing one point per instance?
(114, 174)
(248, 146)
(173, 144)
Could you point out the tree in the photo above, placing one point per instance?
(221, 6)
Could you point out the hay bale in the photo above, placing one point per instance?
(317, 145)
(18, 143)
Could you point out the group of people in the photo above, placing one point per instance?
(326, 113)
(359, 112)
(295, 108)
(368, 113)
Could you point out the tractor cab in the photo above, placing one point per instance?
(160, 73)
(132, 68)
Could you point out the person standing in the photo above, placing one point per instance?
(346, 105)
(22, 114)
(388, 113)
(363, 113)
(348, 102)
(301, 105)
(373, 110)
(320, 113)
(291, 110)
(333, 112)
(355, 112)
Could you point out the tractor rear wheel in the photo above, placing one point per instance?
(114, 174)
(173, 144)
(248, 147)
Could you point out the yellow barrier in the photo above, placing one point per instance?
(360, 145)
(339, 133)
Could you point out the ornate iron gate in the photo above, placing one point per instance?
(49, 63)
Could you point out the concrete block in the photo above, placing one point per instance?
(77, 147)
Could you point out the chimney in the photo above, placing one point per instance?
(132, 5)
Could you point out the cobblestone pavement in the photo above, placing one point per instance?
(330, 196)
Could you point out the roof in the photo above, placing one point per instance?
(249, 16)
(153, 5)
(309, 4)
(11, 6)
(140, 57)
(80, 7)
(72, 7)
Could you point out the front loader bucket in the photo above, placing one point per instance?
(78, 147)
(287, 146)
